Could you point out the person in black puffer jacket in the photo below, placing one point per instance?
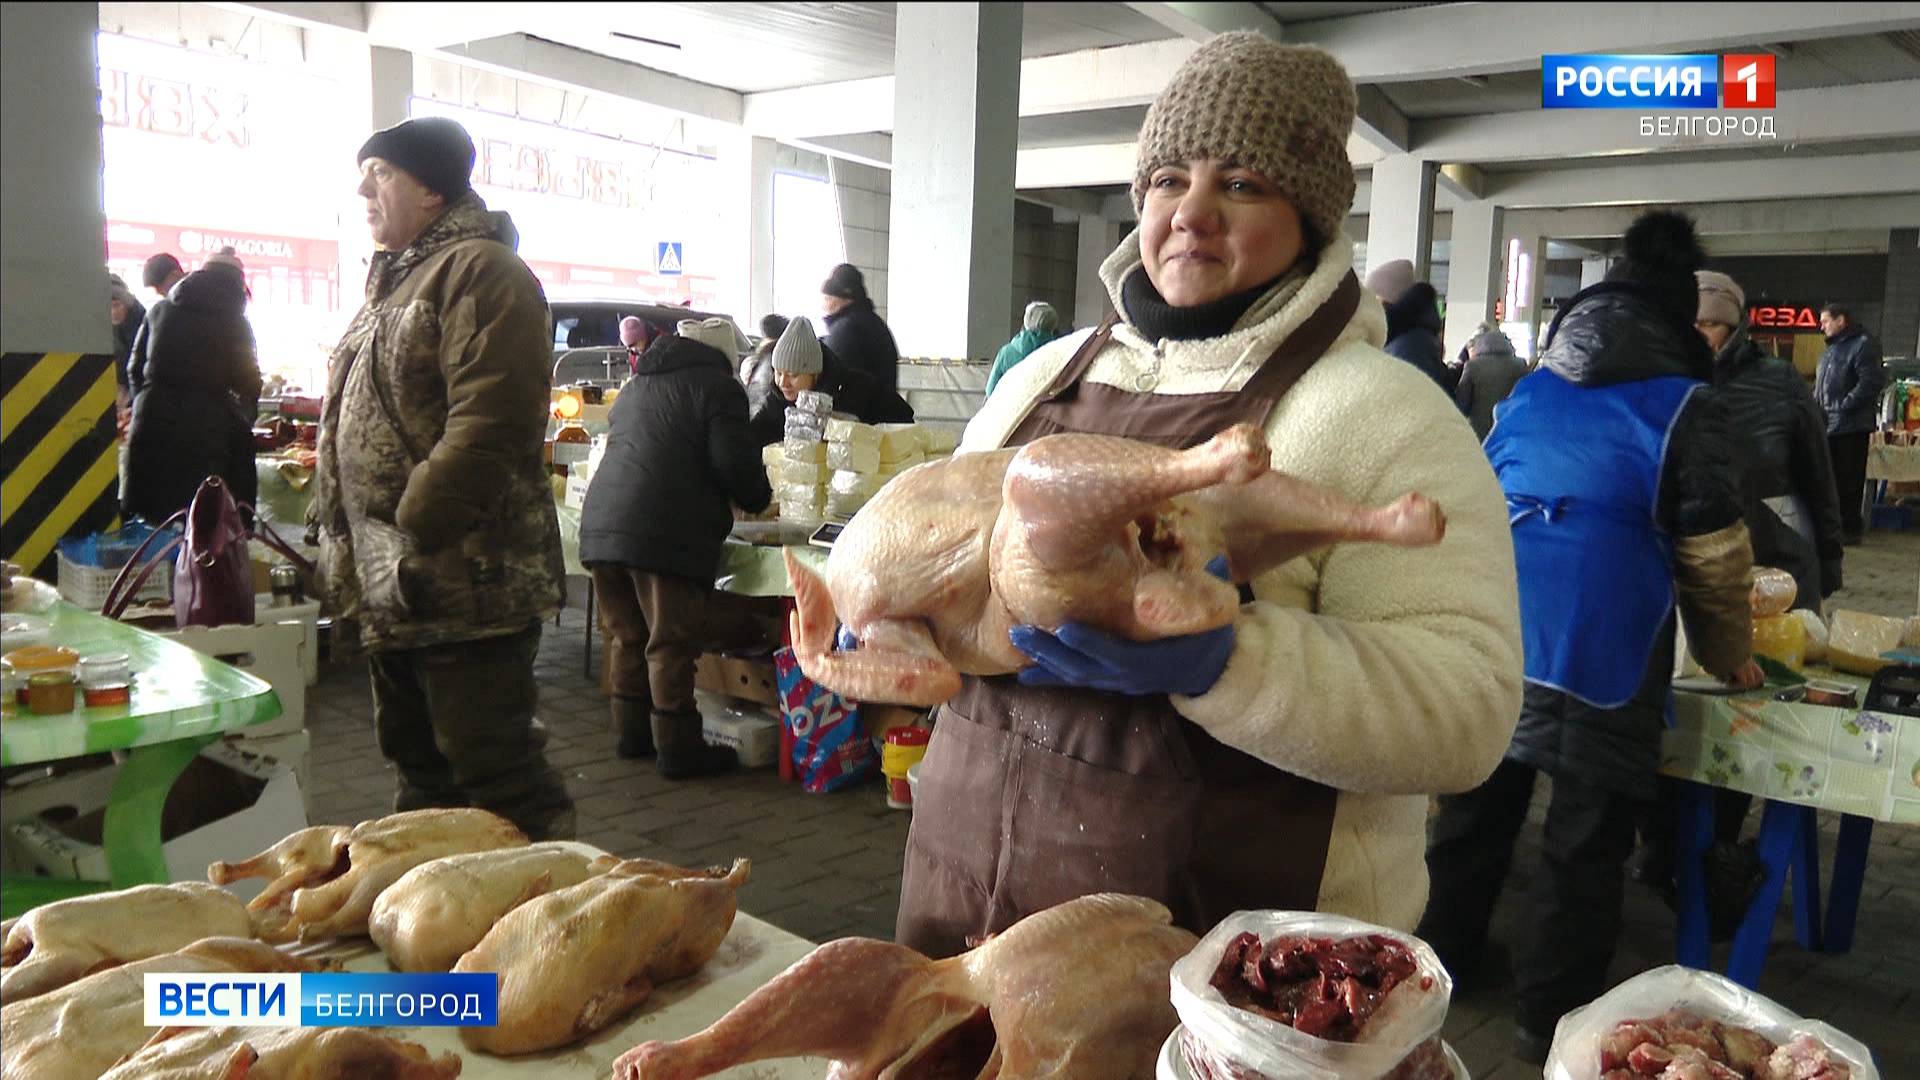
(855, 331)
(679, 456)
(1413, 321)
(1622, 487)
(195, 381)
(1793, 510)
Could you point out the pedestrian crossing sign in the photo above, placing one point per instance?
(667, 258)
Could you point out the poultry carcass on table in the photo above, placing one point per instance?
(1076, 991)
(80, 1030)
(282, 1054)
(1106, 531)
(53, 945)
(439, 910)
(324, 880)
(573, 961)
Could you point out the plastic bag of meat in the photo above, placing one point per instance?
(1268, 995)
(1675, 1023)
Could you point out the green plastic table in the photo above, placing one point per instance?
(182, 700)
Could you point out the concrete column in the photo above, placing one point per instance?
(1400, 215)
(53, 222)
(1474, 278)
(1533, 283)
(391, 83)
(1593, 270)
(1901, 334)
(956, 118)
(746, 265)
(1098, 237)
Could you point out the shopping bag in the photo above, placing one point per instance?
(831, 750)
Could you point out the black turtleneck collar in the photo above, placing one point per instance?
(1156, 319)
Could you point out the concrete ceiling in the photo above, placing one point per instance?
(757, 47)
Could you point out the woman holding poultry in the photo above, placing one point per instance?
(1283, 761)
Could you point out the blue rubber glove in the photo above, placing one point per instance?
(1079, 655)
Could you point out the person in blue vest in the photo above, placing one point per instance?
(1625, 503)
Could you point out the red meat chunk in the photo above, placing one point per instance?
(1324, 987)
(1622, 1041)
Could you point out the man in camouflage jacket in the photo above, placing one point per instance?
(440, 551)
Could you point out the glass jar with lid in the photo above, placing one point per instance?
(106, 679)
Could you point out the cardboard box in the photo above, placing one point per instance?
(748, 679)
(64, 795)
(880, 719)
(230, 803)
(270, 652)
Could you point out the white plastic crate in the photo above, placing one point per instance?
(755, 738)
(87, 586)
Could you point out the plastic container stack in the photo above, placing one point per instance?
(800, 485)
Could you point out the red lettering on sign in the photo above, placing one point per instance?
(1783, 318)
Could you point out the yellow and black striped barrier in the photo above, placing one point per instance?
(59, 467)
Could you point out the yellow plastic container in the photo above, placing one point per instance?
(1782, 638)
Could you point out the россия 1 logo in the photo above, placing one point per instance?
(1624, 81)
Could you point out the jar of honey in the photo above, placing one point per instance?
(30, 660)
(106, 680)
(50, 693)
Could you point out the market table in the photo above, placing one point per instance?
(1799, 758)
(182, 700)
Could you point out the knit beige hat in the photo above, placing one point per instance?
(1283, 110)
(716, 334)
(798, 350)
(1721, 298)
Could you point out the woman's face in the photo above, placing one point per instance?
(1209, 229)
(791, 384)
(1716, 333)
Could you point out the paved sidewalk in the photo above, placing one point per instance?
(829, 866)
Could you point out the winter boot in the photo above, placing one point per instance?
(632, 720)
(683, 753)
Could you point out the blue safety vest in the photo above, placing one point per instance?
(1581, 470)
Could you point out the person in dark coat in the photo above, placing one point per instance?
(1487, 378)
(195, 380)
(1619, 470)
(855, 332)
(161, 273)
(128, 315)
(800, 362)
(1847, 385)
(1413, 321)
(756, 371)
(1793, 508)
(679, 456)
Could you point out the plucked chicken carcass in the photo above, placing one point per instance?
(282, 1054)
(53, 945)
(439, 910)
(324, 880)
(1106, 531)
(1076, 992)
(573, 961)
(80, 1030)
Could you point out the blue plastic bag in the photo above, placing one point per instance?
(831, 750)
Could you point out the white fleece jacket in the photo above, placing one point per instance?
(1388, 673)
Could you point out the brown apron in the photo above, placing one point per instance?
(1033, 796)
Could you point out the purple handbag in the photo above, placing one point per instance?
(213, 574)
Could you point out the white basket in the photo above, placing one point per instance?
(755, 738)
(87, 586)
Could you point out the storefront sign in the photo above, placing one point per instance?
(165, 106)
(1784, 318)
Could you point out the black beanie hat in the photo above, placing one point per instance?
(1662, 253)
(433, 150)
(846, 283)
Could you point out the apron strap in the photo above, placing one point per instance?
(1301, 348)
(1082, 358)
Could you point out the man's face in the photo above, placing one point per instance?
(116, 310)
(398, 206)
(1831, 324)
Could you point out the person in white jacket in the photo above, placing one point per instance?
(1284, 761)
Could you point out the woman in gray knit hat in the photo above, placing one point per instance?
(1284, 761)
